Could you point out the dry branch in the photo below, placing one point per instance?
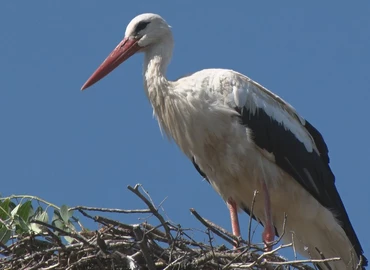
(137, 246)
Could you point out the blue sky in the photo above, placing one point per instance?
(84, 148)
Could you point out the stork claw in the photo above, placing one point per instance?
(268, 236)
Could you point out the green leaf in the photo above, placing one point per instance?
(11, 205)
(39, 215)
(44, 217)
(64, 213)
(68, 239)
(71, 226)
(58, 223)
(38, 211)
(21, 225)
(35, 228)
(56, 215)
(5, 235)
(4, 209)
(24, 225)
(70, 213)
(25, 210)
(15, 210)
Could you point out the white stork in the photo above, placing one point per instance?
(241, 137)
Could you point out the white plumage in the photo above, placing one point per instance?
(242, 138)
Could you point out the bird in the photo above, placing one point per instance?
(242, 138)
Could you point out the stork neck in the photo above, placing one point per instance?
(157, 58)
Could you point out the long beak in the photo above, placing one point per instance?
(124, 50)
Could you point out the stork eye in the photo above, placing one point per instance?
(141, 26)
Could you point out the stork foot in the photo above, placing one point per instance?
(268, 236)
(234, 220)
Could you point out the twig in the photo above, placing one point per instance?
(51, 266)
(210, 243)
(174, 262)
(293, 247)
(212, 228)
(147, 194)
(155, 212)
(54, 237)
(193, 242)
(140, 237)
(70, 234)
(255, 193)
(273, 243)
(303, 261)
(86, 214)
(118, 245)
(30, 197)
(234, 259)
(160, 236)
(109, 221)
(111, 210)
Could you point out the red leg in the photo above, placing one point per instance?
(234, 219)
(268, 234)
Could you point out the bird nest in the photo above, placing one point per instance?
(28, 240)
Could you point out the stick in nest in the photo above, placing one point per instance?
(153, 209)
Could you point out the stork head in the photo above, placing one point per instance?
(142, 32)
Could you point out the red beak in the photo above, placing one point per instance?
(124, 50)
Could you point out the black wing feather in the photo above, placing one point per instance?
(292, 156)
